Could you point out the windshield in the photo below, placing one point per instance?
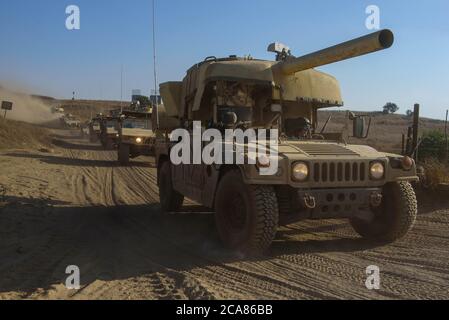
(137, 124)
(244, 114)
(300, 128)
(110, 124)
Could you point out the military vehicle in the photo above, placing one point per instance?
(94, 129)
(319, 174)
(109, 131)
(71, 121)
(136, 136)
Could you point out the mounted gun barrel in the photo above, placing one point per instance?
(354, 48)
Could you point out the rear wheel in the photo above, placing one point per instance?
(170, 199)
(394, 218)
(109, 144)
(246, 215)
(123, 154)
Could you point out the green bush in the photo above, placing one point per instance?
(433, 145)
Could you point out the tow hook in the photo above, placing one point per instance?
(376, 199)
(309, 201)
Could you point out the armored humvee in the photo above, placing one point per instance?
(71, 121)
(109, 131)
(319, 175)
(94, 129)
(136, 136)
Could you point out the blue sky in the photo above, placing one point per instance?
(40, 55)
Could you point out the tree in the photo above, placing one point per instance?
(409, 113)
(144, 100)
(390, 107)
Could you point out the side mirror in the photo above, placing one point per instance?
(359, 127)
(230, 118)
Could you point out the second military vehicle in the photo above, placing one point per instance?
(94, 129)
(136, 136)
(109, 131)
(319, 174)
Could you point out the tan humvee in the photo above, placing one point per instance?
(319, 175)
(109, 131)
(94, 129)
(136, 135)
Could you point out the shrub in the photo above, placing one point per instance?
(436, 173)
(433, 145)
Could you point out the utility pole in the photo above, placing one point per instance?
(446, 155)
(121, 88)
(73, 100)
(415, 130)
(156, 106)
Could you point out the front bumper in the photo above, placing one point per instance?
(332, 204)
(339, 203)
(141, 150)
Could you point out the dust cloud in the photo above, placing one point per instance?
(27, 108)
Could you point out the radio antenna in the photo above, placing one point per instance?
(156, 106)
(121, 88)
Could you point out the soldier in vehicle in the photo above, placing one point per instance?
(300, 128)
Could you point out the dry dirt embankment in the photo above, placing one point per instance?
(76, 206)
(21, 135)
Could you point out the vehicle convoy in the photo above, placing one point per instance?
(109, 131)
(136, 136)
(94, 129)
(71, 121)
(319, 174)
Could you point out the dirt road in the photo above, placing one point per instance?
(76, 206)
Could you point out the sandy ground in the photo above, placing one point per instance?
(76, 206)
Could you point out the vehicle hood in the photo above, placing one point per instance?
(137, 132)
(314, 149)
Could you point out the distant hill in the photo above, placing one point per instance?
(386, 130)
(385, 134)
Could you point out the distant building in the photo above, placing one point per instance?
(136, 93)
(155, 99)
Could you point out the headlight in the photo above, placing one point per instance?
(139, 140)
(300, 171)
(407, 163)
(377, 170)
(263, 161)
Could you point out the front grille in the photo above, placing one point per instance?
(339, 172)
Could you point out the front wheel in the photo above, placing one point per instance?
(394, 218)
(109, 144)
(247, 216)
(170, 199)
(123, 154)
